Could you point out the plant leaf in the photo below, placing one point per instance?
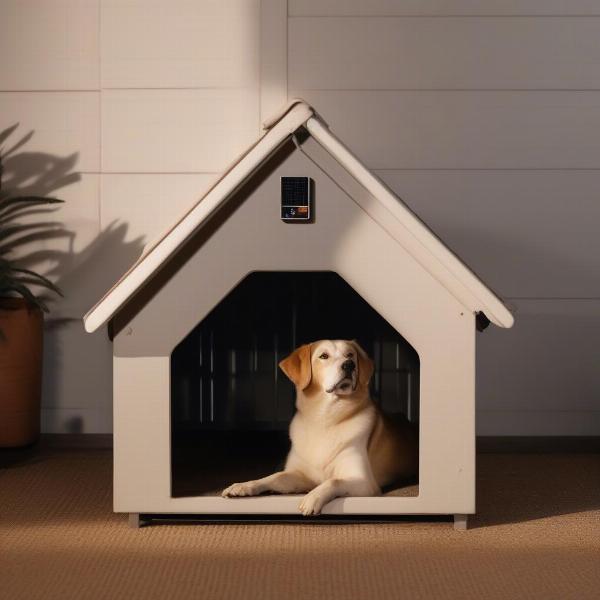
(41, 279)
(29, 200)
(20, 143)
(18, 212)
(6, 133)
(36, 236)
(23, 291)
(7, 231)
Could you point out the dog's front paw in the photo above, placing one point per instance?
(239, 489)
(311, 504)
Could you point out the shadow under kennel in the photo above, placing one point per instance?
(230, 403)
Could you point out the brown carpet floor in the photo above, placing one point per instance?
(537, 535)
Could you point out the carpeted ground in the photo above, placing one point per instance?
(537, 535)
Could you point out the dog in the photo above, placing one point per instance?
(342, 444)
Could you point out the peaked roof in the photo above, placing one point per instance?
(418, 239)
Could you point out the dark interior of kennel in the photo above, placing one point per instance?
(231, 405)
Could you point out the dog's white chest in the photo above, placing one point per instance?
(318, 447)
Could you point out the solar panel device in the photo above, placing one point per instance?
(295, 198)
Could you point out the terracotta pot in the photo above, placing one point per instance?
(21, 332)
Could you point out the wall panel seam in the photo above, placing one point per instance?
(100, 111)
(445, 16)
(537, 410)
(433, 89)
(557, 298)
(486, 169)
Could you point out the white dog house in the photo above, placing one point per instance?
(297, 241)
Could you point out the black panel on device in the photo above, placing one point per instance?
(295, 198)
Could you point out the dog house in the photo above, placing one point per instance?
(297, 241)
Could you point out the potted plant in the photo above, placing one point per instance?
(21, 325)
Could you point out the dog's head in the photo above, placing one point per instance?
(339, 367)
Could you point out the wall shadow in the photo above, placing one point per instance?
(40, 238)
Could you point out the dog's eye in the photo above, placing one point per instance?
(349, 355)
(324, 356)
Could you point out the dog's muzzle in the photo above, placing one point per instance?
(348, 381)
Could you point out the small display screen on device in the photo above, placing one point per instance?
(295, 198)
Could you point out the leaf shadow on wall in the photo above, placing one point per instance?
(76, 365)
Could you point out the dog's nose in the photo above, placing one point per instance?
(348, 366)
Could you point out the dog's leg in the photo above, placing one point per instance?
(314, 501)
(351, 476)
(282, 482)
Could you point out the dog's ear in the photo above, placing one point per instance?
(365, 365)
(297, 366)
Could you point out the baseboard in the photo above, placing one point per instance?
(537, 444)
(485, 444)
(77, 440)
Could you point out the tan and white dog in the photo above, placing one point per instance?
(342, 444)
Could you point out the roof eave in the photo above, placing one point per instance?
(431, 252)
(153, 258)
(420, 241)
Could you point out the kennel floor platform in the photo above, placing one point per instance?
(206, 462)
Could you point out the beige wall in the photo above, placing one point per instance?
(142, 103)
(482, 115)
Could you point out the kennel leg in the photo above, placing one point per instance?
(460, 522)
(135, 522)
